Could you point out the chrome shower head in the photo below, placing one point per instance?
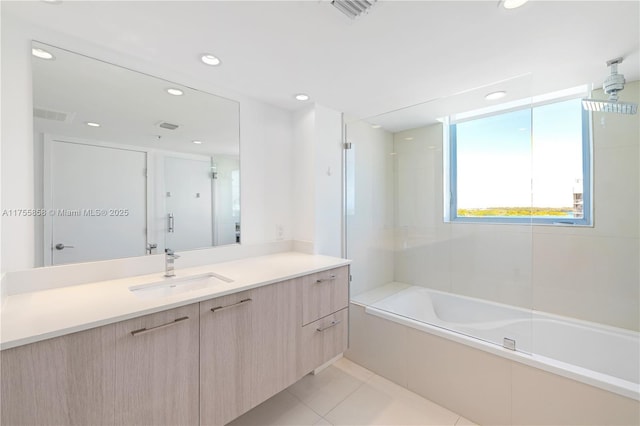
(608, 106)
(353, 8)
(611, 86)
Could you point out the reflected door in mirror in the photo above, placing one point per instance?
(188, 185)
(226, 171)
(96, 203)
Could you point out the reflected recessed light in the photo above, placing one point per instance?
(210, 59)
(197, 142)
(376, 126)
(302, 97)
(92, 124)
(495, 95)
(410, 138)
(175, 92)
(513, 4)
(41, 53)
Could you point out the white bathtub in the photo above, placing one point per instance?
(602, 356)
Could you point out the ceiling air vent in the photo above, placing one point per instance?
(353, 8)
(168, 126)
(47, 114)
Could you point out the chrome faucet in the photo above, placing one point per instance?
(169, 258)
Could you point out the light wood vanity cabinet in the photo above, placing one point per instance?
(68, 380)
(157, 367)
(205, 363)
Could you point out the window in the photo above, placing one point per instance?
(525, 165)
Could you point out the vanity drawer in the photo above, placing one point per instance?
(324, 293)
(323, 339)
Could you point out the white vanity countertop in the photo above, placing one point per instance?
(40, 315)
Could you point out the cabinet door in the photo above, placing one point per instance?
(324, 293)
(157, 369)
(247, 350)
(67, 380)
(322, 340)
(275, 327)
(226, 356)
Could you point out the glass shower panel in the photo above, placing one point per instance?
(587, 279)
(490, 171)
(369, 206)
(422, 259)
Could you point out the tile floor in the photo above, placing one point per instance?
(348, 394)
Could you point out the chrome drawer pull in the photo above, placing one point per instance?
(323, 280)
(146, 330)
(222, 308)
(333, 324)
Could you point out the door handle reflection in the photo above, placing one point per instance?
(61, 246)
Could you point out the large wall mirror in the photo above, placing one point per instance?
(128, 164)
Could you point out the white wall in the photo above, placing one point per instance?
(328, 182)
(265, 147)
(303, 173)
(590, 273)
(317, 187)
(17, 147)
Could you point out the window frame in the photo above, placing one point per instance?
(450, 139)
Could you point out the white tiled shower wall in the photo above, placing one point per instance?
(591, 273)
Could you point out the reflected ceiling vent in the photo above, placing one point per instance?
(49, 114)
(353, 8)
(168, 126)
(611, 86)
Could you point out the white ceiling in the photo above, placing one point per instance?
(401, 53)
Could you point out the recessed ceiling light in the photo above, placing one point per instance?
(175, 92)
(302, 97)
(513, 4)
(41, 53)
(210, 59)
(197, 142)
(495, 95)
(92, 124)
(410, 138)
(376, 126)
(52, 1)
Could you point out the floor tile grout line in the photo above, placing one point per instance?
(416, 394)
(361, 383)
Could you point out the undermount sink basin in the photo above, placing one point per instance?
(178, 285)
